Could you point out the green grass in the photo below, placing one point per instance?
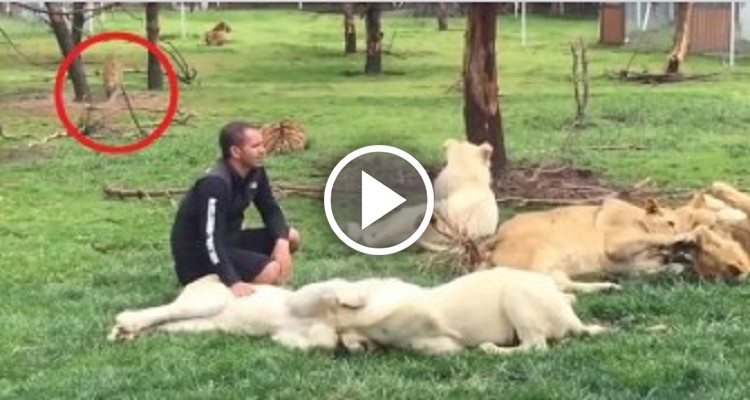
(70, 259)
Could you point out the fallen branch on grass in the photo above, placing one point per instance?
(115, 132)
(674, 193)
(108, 106)
(525, 201)
(8, 137)
(280, 189)
(658, 78)
(182, 117)
(121, 193)
(625, 147)
(56, 135)
(468, 246)
(103, 128)
(543, 169)
(638, 187)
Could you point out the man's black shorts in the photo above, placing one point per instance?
(250, 251)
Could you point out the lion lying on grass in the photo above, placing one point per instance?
(490, 309)
(295, 319)
(218, 35)
(575, 241)
(724, 246)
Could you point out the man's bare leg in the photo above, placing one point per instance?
(294, 240)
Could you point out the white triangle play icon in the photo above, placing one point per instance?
(377, 200)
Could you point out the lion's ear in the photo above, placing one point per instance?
(652, 207)
(698, 200)
(703, 235)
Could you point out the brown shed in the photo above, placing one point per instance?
(710, 26)
(612, 23)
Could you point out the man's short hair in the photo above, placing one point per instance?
(232, 134)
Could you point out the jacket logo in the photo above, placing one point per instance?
(253, 185)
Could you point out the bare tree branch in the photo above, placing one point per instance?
(94, 10)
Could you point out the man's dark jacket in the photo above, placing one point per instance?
(212, 212)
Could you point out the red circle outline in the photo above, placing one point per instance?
(60, 82)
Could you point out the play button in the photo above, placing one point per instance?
(378, 200)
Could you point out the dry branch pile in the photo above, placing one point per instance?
(466, 255)
(284, 137)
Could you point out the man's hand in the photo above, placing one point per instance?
(242, 289)
(283, 256)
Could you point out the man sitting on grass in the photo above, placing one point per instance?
(207, 235)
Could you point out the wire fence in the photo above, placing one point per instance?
(719, 29)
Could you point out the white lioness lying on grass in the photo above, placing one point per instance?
(464, 200)
(491, 309)
(575, 241)
(295, 319)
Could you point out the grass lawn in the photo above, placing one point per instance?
(70, 259)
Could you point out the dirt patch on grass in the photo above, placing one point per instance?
(44, 104)
(552, 182)
(106, 121)
(525, 184)
(535, 185)
(19, 154)
(554, 185)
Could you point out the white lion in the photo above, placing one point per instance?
(295, 319)
(490, 309)
(465, 204)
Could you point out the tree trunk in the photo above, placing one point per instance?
(78, 20)
(350, 29)
(155, 81)
(76, 71)
(681, 41)
(374, 39)
(442, 15)
(481, 109)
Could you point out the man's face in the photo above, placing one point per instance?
(250, 152)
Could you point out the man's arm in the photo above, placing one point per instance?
(269, 209)
(213, 200)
